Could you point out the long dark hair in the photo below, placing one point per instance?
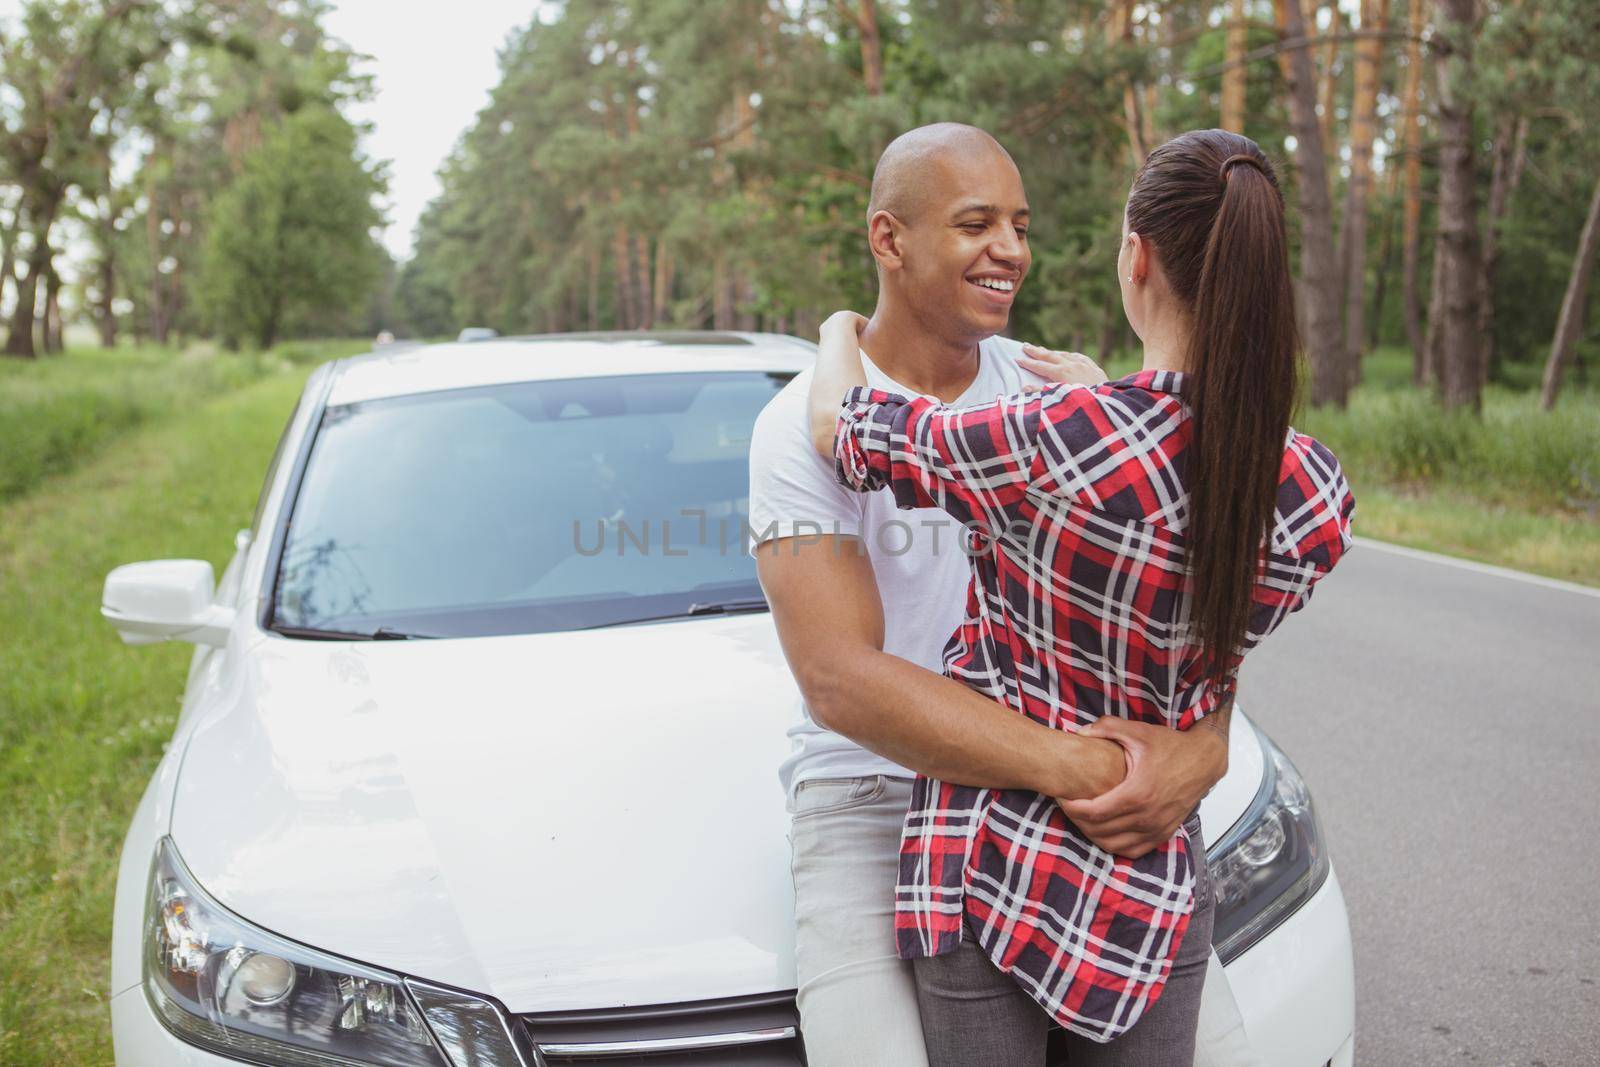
(1208, 203)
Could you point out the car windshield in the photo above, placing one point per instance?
(523, 508)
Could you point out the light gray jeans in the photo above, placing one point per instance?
(858, 1000)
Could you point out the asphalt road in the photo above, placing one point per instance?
(1448, 721)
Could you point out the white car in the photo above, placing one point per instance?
(477, 763)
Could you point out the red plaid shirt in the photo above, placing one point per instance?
(1075, 506)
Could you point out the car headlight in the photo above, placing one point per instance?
(218, 982)
(1270, 863)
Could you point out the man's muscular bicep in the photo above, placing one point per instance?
(825, 604)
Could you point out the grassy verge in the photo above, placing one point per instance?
(56, 411)
(1517, 487)
(1553, 544)
(83, 719)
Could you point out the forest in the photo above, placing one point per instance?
(687, 164)
(690, 164)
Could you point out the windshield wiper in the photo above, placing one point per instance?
(382, 633)
(743, 606)
(728, 607)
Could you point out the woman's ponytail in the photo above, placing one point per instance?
(1210, 206)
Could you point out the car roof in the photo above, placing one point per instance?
(409, 370)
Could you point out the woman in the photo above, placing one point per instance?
(1130, 540)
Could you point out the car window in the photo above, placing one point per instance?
(272, 472)
(528, 507)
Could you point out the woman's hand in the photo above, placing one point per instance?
(837, 371)
(1062, 368)
(843, 324)
(1090, 767)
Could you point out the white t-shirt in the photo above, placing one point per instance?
(916, 554)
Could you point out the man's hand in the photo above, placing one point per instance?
(1168, 773)
(1070, 368)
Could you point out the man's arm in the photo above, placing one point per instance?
(825, 604)
(1168, 773)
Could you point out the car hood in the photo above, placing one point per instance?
(562, 821)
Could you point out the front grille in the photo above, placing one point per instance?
(758, 1031)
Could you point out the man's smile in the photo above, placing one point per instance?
(998, 287)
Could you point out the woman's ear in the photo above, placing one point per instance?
(883, 237)
(1138, 259)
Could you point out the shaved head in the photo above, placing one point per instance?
(948, 229)
(915, 166)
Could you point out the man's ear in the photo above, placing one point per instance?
(884, 233)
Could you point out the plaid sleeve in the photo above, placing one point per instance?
(972, 462)
(1311, 533)
(1315, 505)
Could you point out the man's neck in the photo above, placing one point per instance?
(904, 349)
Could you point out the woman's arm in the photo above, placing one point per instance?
(838, 371)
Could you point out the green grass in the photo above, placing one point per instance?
(58, 410)
(1517, 487)
(83, 719)
(1554, 544)
(1514, 455)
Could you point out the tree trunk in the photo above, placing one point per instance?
(662, 295)
(1327, 96)
(1353, 229)
(721, 296)
(105, 310)
(1318, 267)
(19, 338)
(642, 297)
(53, 341)
(1459, 376)
(1510, 153)
(1570, 324)
(594, 289)
(1119, 31)
(1233, 79)
(1411, 139)
(1385, 264)
(1429, 371)
(1279, 15)
(866, 20)
(175, 300)
(8, 258)
(744, 296)
(621, 253)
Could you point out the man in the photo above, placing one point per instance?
(865, 597)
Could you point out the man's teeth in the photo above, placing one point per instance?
(995, 283)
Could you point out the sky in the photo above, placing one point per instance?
(433, 67)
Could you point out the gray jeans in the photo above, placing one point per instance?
(972, 1012)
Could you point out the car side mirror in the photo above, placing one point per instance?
(165, 600)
